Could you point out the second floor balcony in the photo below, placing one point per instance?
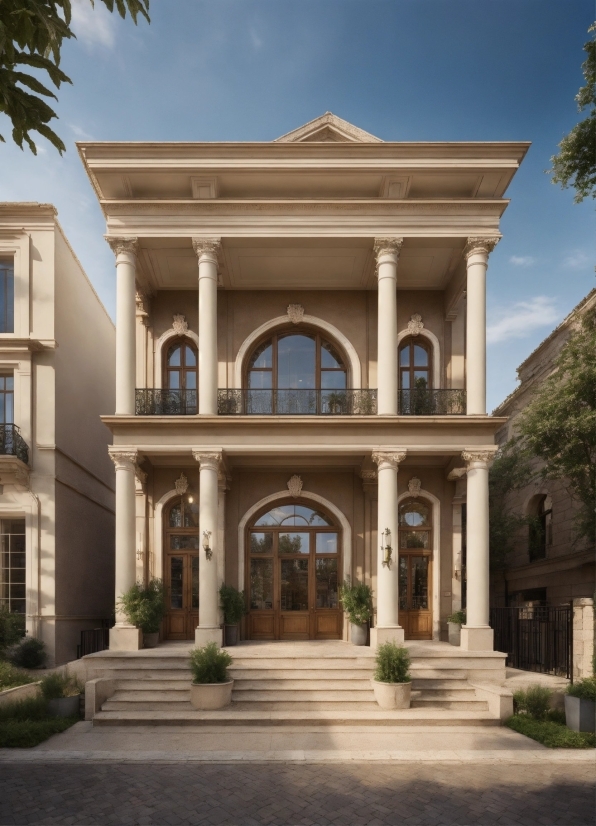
(12, 443)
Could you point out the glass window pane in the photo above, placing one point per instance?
(420, 379)
(404, 356)
(191, 380)
(326, 543)
(419, 569)
(414, 539)
(296, 359)
(333, 380)
(420, 356)
(191, 359)
(261, 543)
(294, 584)
(276, 515)
(414, 514)
(405, 381)
(329, 356)
(10, 382)
(261, 584)
(176, 581)
(191, 515)
(260, 380)
(176, 517)
(326, 583)
(313, 517)
(174, 380)
(262, 356)
(403, 583)
(195, 581)
(174, 354)
(181, 542)
(294, 543)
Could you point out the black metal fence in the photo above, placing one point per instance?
(296, 402)
(422, 402)
(12, 443)
(97, 639)
(151, 402)
(537, 638)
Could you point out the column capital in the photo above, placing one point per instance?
(207, 461)
(206, 249)
(123, 458)
(480, 245)
(388, 459)
(123, 243)
(387, 246)
(478, 458)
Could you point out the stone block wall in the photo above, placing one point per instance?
(583, 638)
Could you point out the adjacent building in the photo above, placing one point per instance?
(57, 355)
(300, 377)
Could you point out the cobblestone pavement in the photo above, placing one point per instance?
(261, 794)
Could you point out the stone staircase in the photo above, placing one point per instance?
(292, 684)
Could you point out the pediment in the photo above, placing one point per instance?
(328, 128)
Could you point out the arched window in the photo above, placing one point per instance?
(296, 372)
(540, 526)
(415, 364)
(180, 372)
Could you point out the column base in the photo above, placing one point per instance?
(205, 635)
(125, 638)
(386, 633)
(479, 638)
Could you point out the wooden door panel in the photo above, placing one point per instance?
(328, 626)
(176, 626)
(294, 626)
(262, 626)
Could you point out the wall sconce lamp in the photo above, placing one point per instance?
(386, 548)
(206, 548)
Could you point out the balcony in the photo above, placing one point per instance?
(12, 443)
(150, 402)
(423, 402)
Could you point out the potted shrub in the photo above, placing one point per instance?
(211, 686)
(63, 695)
(454, 624)
(29, 653)
(580, 705)
(392, 682)
(145, 608)
(357, 603)
(233, 605)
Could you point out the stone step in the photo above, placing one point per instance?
(166, 706)
(467, 705)
(304, 673)
(241, 684)
(233, 716)
(453, 684)
(305, 705)
(181, 684)
(311, 695)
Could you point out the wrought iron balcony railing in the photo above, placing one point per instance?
(151, 402)
(297, 402)
(12, 443)
(423, 402)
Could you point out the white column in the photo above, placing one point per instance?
(387, 627)
(208, 629)
(476, 252)
(476, 634)
(124, 636)
(142, 324)
(126, 265)
(387, 254)
(206, 250)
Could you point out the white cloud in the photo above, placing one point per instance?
(255, 39)
(577, 259)
(522, 260)
(93, 25)
(521, 319)
(80, 133)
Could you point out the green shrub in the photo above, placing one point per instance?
(30, 653)
(12, 628)
(232, 604)
(209, 664)
(551, 734)
(533, 701)
(459, 617)
(56, 686)
(584, 689)
(24, 734)
(357, 601)
(11, 677)
(31, 708)
(392, 664)
(144, 607)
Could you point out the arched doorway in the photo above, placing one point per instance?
(181, 568)
(415, 568)
(292, 574)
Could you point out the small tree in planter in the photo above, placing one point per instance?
(145, 608)
(233, 605)
(211, 686)
(63, 694)
(580, 705)
(357, 603)
(454, 624)
(392, 683)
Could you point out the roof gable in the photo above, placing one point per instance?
(328, 128)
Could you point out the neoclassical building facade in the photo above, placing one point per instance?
(301, 379)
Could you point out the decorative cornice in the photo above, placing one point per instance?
(209, 461)
(181, 485)
(387, 246)
(123, 459)
(392, 459)
(295, 313)
(415, 325)
(414, 486)
(295, 485)
(482, 245)
(206, 246)
(124, 243)
(180, 325)
(478, 458)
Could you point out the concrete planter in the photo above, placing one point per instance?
(65, 706)
(454, 631)
(231, 635)
(358, 634)
(151, 640)
(211, 696)
(392, 695)
(580, 715)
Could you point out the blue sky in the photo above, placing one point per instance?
(402, 69)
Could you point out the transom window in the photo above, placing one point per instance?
(12, 565)
(296, 361)
(414, 524)
(415, 364)
(181, 366)
(6, 296)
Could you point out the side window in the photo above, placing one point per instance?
(6, 296)
(12, 565)
(181, 366)
(6, 399)
(415, 365)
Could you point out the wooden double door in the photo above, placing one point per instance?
(182, 594)
(294, 564)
